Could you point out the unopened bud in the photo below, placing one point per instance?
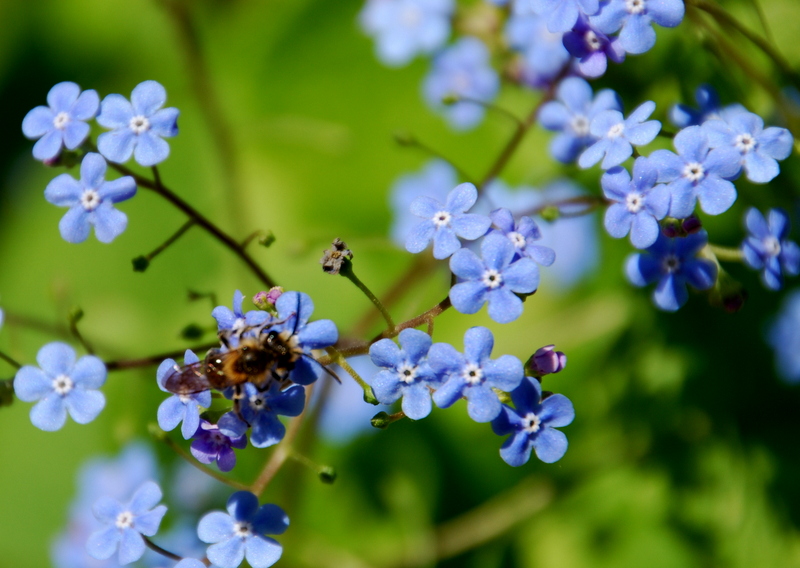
(192, 331)
(450, 99)
(546, 361)
(327, 474)
(335, 257)
(266, 240)
(671, 229)
(691, 224)
(405, 138)
(381, 420)
(140, 264)
(550, 213)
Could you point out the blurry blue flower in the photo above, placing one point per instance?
(210, 445)
(634, 19)
(241, 533)
(61, 385)
(638, 203)
(617, 135)
(236, 319)
(180, 408)
(126, 524)
(408, 374)
(435, 180)
(260, 411)
(707, 99)
(462, 70)
(543, 53)
(784, 337)
(759, 147)
(592, 48)
(404, 28)
(63, 122)
(532, 425)
(91, 201)
(563, 14)
(444, 223)
(572, 114)
(473, 375)
(522, 235)
(697, 173)
(673, 263)
(137, 127)
(493, 278)
(768, 248)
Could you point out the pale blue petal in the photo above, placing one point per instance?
(83, 405)
(482, 403)
(550, 445)
(50, 413)
(31, 384)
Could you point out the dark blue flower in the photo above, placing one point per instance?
(211, 445)
(126, 523)
(592, 48)
(634, 19)
(707, 99)
(462, 70)
(180, 407)
(522, 234)
(768, 248)
(260, 410)
(494, 278)
(638, 203)
(697, 173)
(61, 385)
(563, 14)
(405, 28)
(241, 533)
(616, 135)
(408, 376)
(444, 223)
(473, 375)
(63, 122)
(236, 319)
(532, 425)
(137, 127)
(572, 114)
(543, 53)
(435, 180)
(784, 337)
(673, 263)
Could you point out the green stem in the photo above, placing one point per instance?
(489, 106)
(338, 358)
(9, 360)
(73, 328)
(347, 271)
(726, 254)
(178, 234)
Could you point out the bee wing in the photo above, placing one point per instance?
(189, 379)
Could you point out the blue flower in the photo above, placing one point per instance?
(697, 173)
(63, 122)
(638, 203)
(408, 376)
(473, 375)
(592, 48)
(563, 14)
(494, 278)
(616, 135)
(404, 28)
(462, 70)
(180, 408)
(211, 445)
(91, 201)
(634, 19)
(260, 411)
(435, 180)
(533, 425)
(784, 337)
(444, 223)
(236, 319)
(62, 385)
(126, 524)
(522, 235)
(759, 147)
(572, 114)
(241, 533)
(707, 99)
(768, 248)
(673, 263)
(137, 127)
(543, 53)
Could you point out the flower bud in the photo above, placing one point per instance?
(691, 224)
(546, 361)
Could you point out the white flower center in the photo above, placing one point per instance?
(442, 219)
(616, 130)
(492, 278)
(694, 171)
(242, 529)
(411, 16)
(634, 6)
(592, 41)
(124, 520)
(772, 246)
(634, 202)
(407, 372)
(139, 124)
(745, 143)
(257, 402)
(184, 398)
(671, 263)
(518, 240)
(580, 125)
(62, 384)
(61, 120)
(472, 373)
(90, 199)
(531, 423)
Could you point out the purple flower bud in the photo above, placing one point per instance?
(670, 230)
(546, 361)
(273, 294)
(691, 224)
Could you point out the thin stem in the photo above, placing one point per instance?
(411, 141)
(9, 360)
(421, 319)
(153, 546)
(122, 364)
(193, 462)
(336, 357)
(762, 19)
(73, 328)
(178, 234)
(726, 254)
(489, 106)
(591, 202)
(347, 271)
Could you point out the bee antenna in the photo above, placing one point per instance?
(324, 368)
(296, 315)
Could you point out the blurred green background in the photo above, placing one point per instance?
(684, 451)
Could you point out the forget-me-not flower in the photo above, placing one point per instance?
(435, 180)
(768, 248)
(63, 122)
(126, 523)
(406, 372)
(617, 135)
(522, 234)
(592, 48)
(634, 19)
(543, 53)
(563, 14)
(236, 319)
(180, 407)
(61, 385)
(444, 223)
(211, 445)
(137, 127)
(260, 410)
(241, 532)
(473, 374)
(784, 337)
(532, 424)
